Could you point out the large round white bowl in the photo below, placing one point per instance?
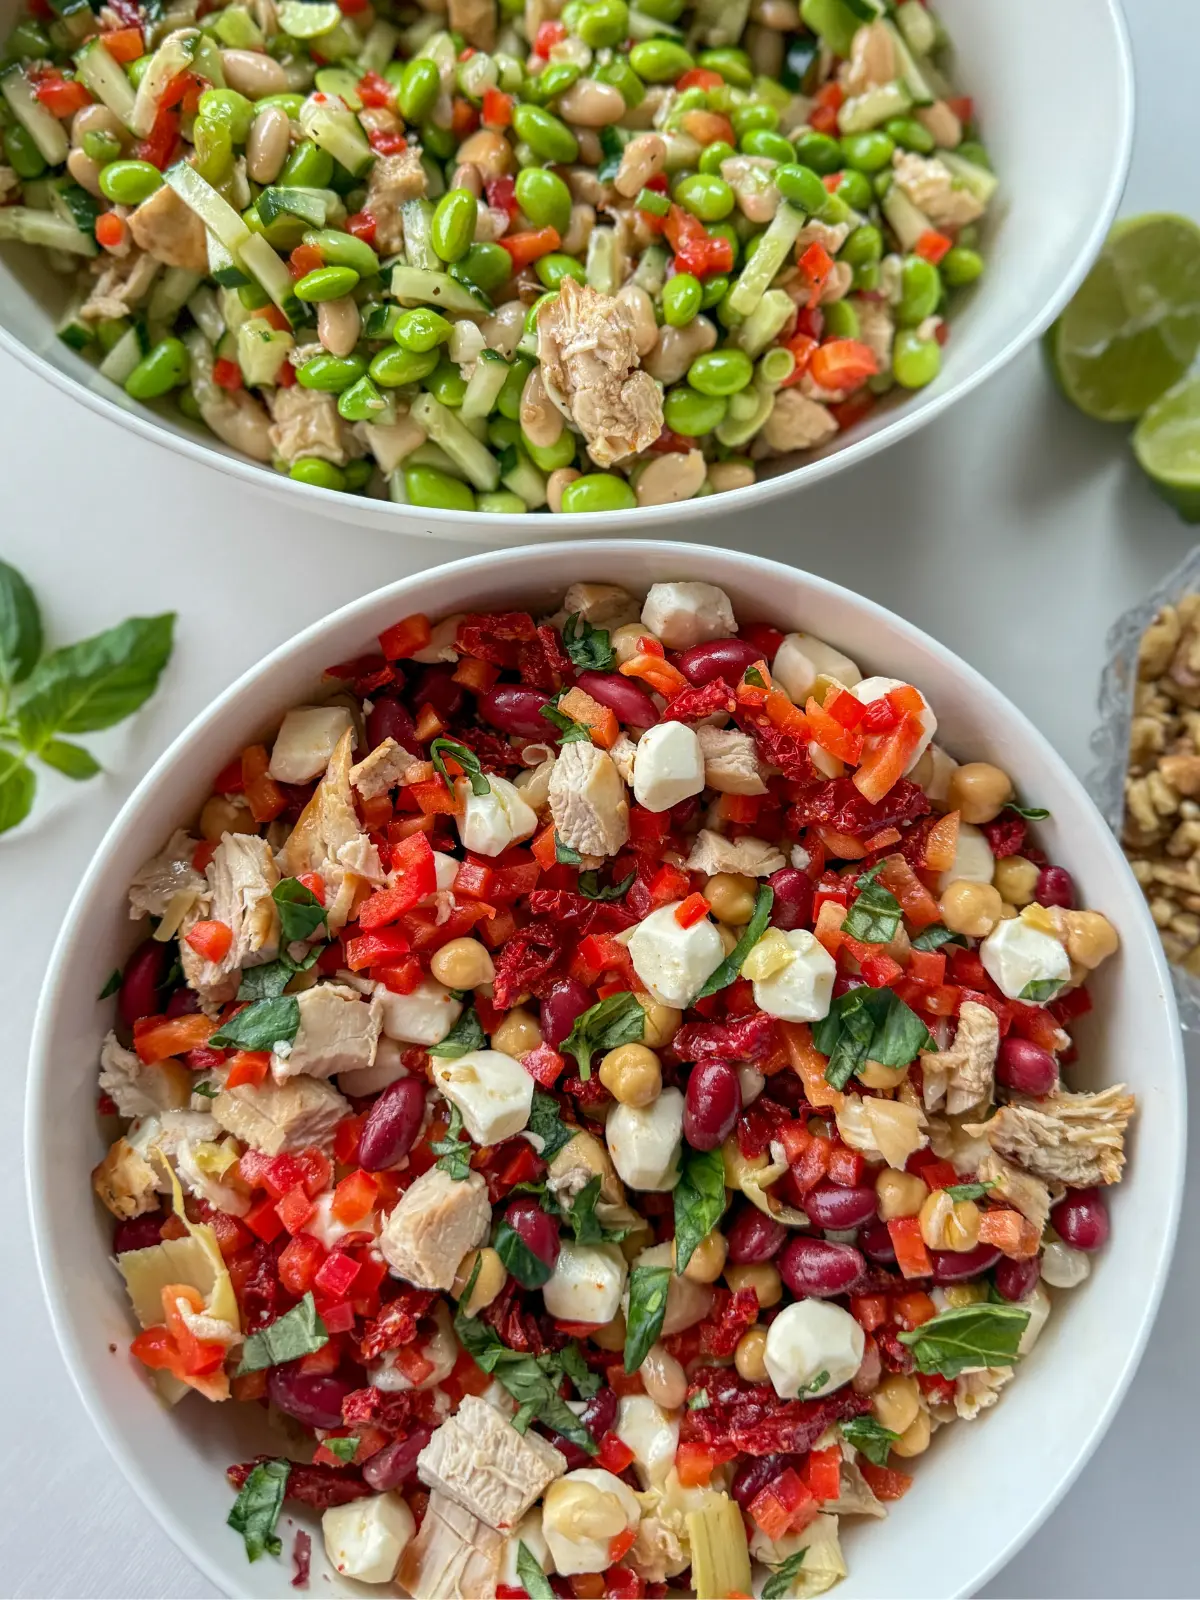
(1054, 86)
(984, 1487)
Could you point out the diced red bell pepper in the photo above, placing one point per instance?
(263, 795)
(817, 264)
(337, 1274)
(932, 246)
(402, 976)
(475, 879)
(338, 1317)
(845, 1166)
(530, 246)
(123, 44)
(62, 97)
(822, 1473)
(691, 911)
(298, 1263)
(911, 1309)
(248, 1066)
(940, 1174)
(157, 1038)
(929, 966)
(497, 109)
(886, 758)
(345, 1139)
(404, 638)
(211, 940)
(544, 1064)
(911, 1255)
(870, 1311)
(110, 230)
(615, 1455)
(387, 141)
(362, 225)
(295, 1209)
(227, 374)
(842, 364)
(163, 140)
(355, 1196)
(885, 1483)
(547, 36)
(833, 736)
(694, 1463)
(376, 949)
(264, 1221)
(412, 861)
(374, 90)
(699, 78)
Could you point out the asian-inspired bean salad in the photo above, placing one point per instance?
(599, 1083)
(478, 255)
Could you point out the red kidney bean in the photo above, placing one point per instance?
(755, 1473)
(538, 1232)
(184, 1002)
(515, 709)
(436, 687)
(392, 1124)
(711, 1104)
(597, 1416)
(870, 1368)
(718, 658)
(138, 1233)
(1026, 1067)
(957, 1266)
(1081, 1219)
(390, 718)
(1055, 887)
(396, 1462)
(631, 705)
(815, 1267)
(144, 971)
(754, 1237)
(831, 1206)
(567, 1000)
(1016, 1280)
(876, 1243)
(792, 906)
(313, 1398)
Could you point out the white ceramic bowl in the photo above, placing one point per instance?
(984, 1487)
(1054, 87)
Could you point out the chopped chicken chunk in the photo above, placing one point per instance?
(125, 1181)
(382, 769)
(432, 1227)
(393, 180)
(977, 1390)
(138, 1090)
(931, 187)
(623, 754)
(272, 1117)
(876, 329)
(753, 858)
(328, 839)
(476, 21)
(170, 872)
(590, 368)
(658, 1552)
(731, 764)
(588, 801)
(122, 284)
(241, 875)
(454, 1555)
(1066, 1138)
(855, 1498)
(604, 605)
(963, 1073)
(168, 229)
(798, 423)
(480, 1460)
(339, 1031)
(1029, 1195)
(306, 423)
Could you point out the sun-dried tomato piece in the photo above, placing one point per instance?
(393, 1410)
(564, 905)
(1006, 835)
(749, 1038)
(689, 705)
(518, 1325)
(259, 1296)
(838, 804)
(495, 636)
(396, 1324)
(731, 1314)
(756, 1127)
(494, 752)
(525, 962)
(543, 663)
(301, 1559)
(315, 1486)
(787, 751)
(591, 1093)
(895, 1356)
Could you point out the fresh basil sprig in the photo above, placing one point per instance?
(467, 760)
(1030, 813)
(648, 1288)
(866, 1024)
(528, 1268)
(270, 980)
(262, 1025)
(297, 1333)
(255, 1512)
(875, 916)
(620, 1019)
(934, 937)
(467, 1034)
(565, 854)
(968, 1191)
(779, 1584)
(699, 1202)
(454, 1152)
(982, 1335)
(869, 1437)
(731, 967)
(590, 649)
(1038, 990)
(111, 987)
(300, 912)
(581, 1214)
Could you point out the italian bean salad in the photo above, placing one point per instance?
(601, 1084)
(478, 255)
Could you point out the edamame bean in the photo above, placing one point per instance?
(308, 167)
(910, 135)
(100, 146)
(553, 268)
(733, 65)
(508, 401)
(818, 151)
(754, 114)
(545, 134)
(357, 474)
(544, 197)
(420, 86)
(971, 150)
(453, 229)
(503, 431)
(253, 296)
(721, 372)
(501, 500)
(326, 283)
(549, 457)
(763, 142)
(599, 491)
(961, 266)
(801, 187)
(868, 152)
(855, 189)
(362, 402)
(715, 290)
(689, 100)
(344, 250)
(659, 61)
(841, 320)
(330, 374)
(394, 367)
(556, 79)
(290, 103)
(864, 247)
(428, 486)
(867, 279)
(881, 183)
(915, 361)
(162, 369)
(22, 154)
(532, 311)
(438, 142)
(621, 75)
(229, 108)
(447, 384)
(128, 183)
(920, 291)
(604, 23)
(706, 196)
(663, 10)
(682, 297)
(421, 329)
(834, 210)
(687, 411)
(713, 155)
(486, 266)
(321, 474)
(137, 70)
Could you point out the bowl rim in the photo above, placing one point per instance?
(39, 1106)
(484, 527)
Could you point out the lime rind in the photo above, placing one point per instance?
(1167, 445)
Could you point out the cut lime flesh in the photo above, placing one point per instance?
(1167, 445)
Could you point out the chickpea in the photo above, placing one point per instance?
(462, 964)
(970, 908)
(662, 1024)
(1091, 938)
(729, 939)
(663, 1379)
(631, 1073)
(731, 896)
(761, 1276)
(750, 1357)
(612, 1335)
(959, 1295)
(518, 1034)
(1016, 879)
(897, 1402)
(624, 641)
(901, 1194)
(707, 1261)
(980, 791)
(222, 815)
(492, 1277)
(876, 1076)
(948, 1224)
(914, 1441)
(737, 1166)
(637, 1240)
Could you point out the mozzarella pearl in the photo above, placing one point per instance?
(423, 1017)
(668, 766)
(366, 1538)
(808, 1338)
(651, 1433)
(582, 1513)
(1015, 955)
(645, 1141)
(491, 822)
(675, 962)
(973, 859)
(875, 688)
(684, 614)
(586, 1284)
(493, 1092)
(801, 660)
(306, 739)
(802, 989)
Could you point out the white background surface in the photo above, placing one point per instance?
(1014, 530)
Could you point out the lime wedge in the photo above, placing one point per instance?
(1133, 328)
(1167, 445)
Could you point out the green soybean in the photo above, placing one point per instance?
(447, 384)
(706, 196)
(23, 155)
(715, 290)
(621, 75)
(343, 250)
(428, 486)
(801, 187)
(230, 108)
(290, 103)
(357, 474)
(855, 189)
(421, 329)
(720, 372)
(253, 296)
(712, 156)
(864, 247)
(834, 211)
(503, 431)
(545, 134)
(841, 320)
(440, 143)
(682, 297)
(910, 135)
(330, 374)
(549, 457)
(100, 146)
(882, 182)
(556, 79)
(362, 402)
(867, 279)
(326, 283)
(553, 268)
(162, 369)
(128, 183)
(604, 23)
(754, 114)
(531, 313)
(420, 86)
(662, 10)
(394, 367)
(598, 491)
(687, 411)
(733, 65)
(321, 474)
(508, 401)
(763, 142)
(308, 167)
(544, 197)
(961, 266)
(695, 99)
(818, 151)
(915, 361)
(868, 152)
(453, 230)
(920, 291)
(486, 266)
(137, 69)
(970, 150)
(659, 60)
(502, 500)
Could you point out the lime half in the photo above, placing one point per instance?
(1167, 445)
(1133, 328)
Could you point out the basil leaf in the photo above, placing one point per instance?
(754, 677)
(869, 1437)
(570, 1359)
(565, 855)
(256, 1510)
(571, 732)
(1040, 990)
(779, 1584)
(1030, 813)
(968, 1191)
(699, 1401)
(113, 984)
(983, 1335)
(345, 1449)
(533, 1580)
(72, 760)
(814, 1385)
(648, 1288)
(270, 980)
(467, 1034)
(300, 912)
(589, 648)
(210, 1091)
(531, 1380)
(934, 937)
(699, 1202)
(453, 1152)
(528, 1268)
(17, 787)
(731, 967)
(618, 1020)
(582, 1215)
(467, 760)
(20, 627)
(868, 1024)
(875, 916)
(298, 1332)
(901, 1035)
(98, 682)
(545, 1120)
(263, 1025)
(589, 887)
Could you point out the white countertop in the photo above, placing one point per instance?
(1014, 529)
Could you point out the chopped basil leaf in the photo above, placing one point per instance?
(111, 987)
(571, 732)
(270, 980)
(454, 1152)
(256, 1510)
(581, 1214)
(869, 1437)
(564, 854)
(1030, 813)
(263, 1025)
(533, 1381)
(731, 967)
(570, 1359)
(210, 1091)
(530, 1271)
(545, 1120)
(298, 1332)
(754, 677)
(875, 917)
(814, 1386)
(982, 1335)
(779, 1584)
(533, 1580)
(344, 1449)
(699, 1202)
(467, 760)
(467, 1034)
(968, 1191)
(589, 887)
(699, 1401)
(300, 912)
(933, 938)
(618, 1020)
(589, 648)
(1040, 990)
(866, 1024)
(648, 1288)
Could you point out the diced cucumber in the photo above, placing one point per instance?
(173, 56)
(905, 220)
(226, 347)
(644, 26)
(527, 344)
(73, 24)
(171, 293)
(206, 313)
(865, 111)
(339, 81)
(379, 322)
(217, 215)
(413, 286)
(222, 268)
(909, 69)
(125, 354)
(378, 47)
(518, 473)
(304, 19)
(334, 128)
(397, 491)
(432, 455)
(206, 62)
(651, 271)
(720, 22)
(74, 331)
(236, 29)
(969, 175)
(106, 79)
(837, 21)
(257, 257)
(918, 27)
(69, 200)
(234, 311)
(262, 351)
(47, 132)
(485, 383)
(444, 428)
(603, 266)
(417, 216)
(46, 229)
(766, 261)
(38, 194)
(736, 431)
(304, 203)
(764, 322)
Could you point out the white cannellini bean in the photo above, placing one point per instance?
(85, 171)
(642, 159)
(97, 119)
(267, 146)
(489, 151)
(575, 240)
(556, 483)
(724, 475)
(590, 104)
(673, 476)
(338, 325)
(468, 176)
(253, 73)
(677, 348)
(541, 420)
(503, 330)
(641, 307)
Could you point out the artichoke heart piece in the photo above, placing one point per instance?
(720, 1556)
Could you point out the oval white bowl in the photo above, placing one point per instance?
(1054, 87)
(985, 1486)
